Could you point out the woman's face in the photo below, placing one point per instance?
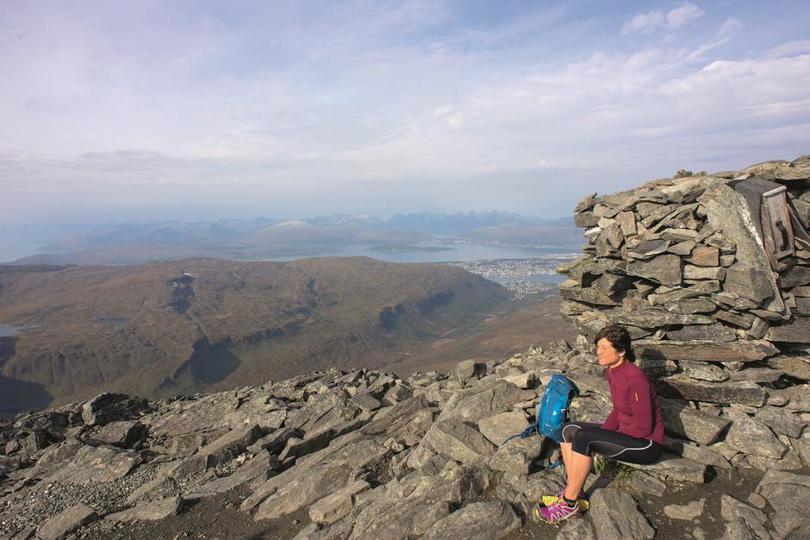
(607, 354)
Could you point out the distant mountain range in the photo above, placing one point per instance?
(184, 326)
(266, 238)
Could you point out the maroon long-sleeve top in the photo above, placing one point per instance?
(636, 411)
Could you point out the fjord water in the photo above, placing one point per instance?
(437, 252)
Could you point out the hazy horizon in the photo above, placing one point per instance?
(187, 111)
(23, 240)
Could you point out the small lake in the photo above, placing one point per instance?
(6, 330)
(116, 323)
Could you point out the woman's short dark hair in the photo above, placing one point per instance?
(619, 337)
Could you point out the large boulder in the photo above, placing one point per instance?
(499, 427)
(693, 424)
(738, 392)
(337, 505)
(517, 455)
(476, 521)
(742, 520)
(67, 521)
(458, 441)
(690, 351)
(96, 464)
(124, 434)
(303, 487)
(614, 514)
(498, 398)
(787, 493)
(676, 469)
(221, 450)
(751, 436)
(109, 407)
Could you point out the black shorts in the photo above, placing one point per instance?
(587, 438)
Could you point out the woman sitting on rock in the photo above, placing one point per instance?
(633, 431)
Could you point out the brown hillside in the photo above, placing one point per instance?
(182, 326)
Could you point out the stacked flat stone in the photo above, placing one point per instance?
(679, 262)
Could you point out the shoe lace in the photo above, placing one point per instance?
(557, 511)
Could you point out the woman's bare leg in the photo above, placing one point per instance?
(565, 450)
(577, 469)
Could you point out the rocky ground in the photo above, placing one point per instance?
(365, 454)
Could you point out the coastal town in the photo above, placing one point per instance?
(524, 277)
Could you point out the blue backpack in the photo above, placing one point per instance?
(552, 411)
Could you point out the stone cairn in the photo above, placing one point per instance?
(718, 317)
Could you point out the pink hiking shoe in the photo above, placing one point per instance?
(557, 512)
(548, 500)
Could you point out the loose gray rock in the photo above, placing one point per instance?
(499, 427)
(641, 482)
(699, 454)
(300, 486)
(125, 434)
(707, 372)
(499, 398)
(110, 406)
(258, 469)
(228, 446)
(153, 511)
(459, 441)
(781, 421)
(687, 351)
(743, 521)
(367, 402)
(676, 469)
(751, 436)
(614, 514)
(794, 366)
(97, 464)
(60, 525)
(338, 505)
(577, 529)
(787, 494)
(476, 521)
(517, 455)
(522, 380)
(664, 269)
(468, 369)
(405, 509)
(335, 531)
(742, 393)
(757, 375)
(700, 427)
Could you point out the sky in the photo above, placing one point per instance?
(146, 110)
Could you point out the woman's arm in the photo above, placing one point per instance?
(611, 423)
(642, 405)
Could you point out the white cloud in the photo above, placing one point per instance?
(730, 26)
(791, 48)
(724, 34)
(406, 103)
(683, 15)
(453, 117)
(657, 20)
(645, 23)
